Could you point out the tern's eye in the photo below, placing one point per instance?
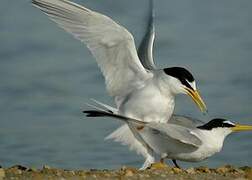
(186, 83)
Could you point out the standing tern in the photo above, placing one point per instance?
(146, 94)
(184, 140)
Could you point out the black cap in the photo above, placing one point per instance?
(182, 74)
(216, 123)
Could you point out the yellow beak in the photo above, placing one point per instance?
(197, 99)
(239, 127)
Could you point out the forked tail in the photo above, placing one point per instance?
(101, 113)
(123, 134)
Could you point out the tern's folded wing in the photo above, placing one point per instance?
(111, 44)
(185, 121)
(178, 133)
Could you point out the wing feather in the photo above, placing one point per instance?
(111, 44)
(145, 50)
(176, 132)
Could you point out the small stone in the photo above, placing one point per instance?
(245, 168)
(171, 172)
(58, 173)
(163, 175)
(123, 168)
(156, 173)
(229, 166)
(222, 170)
(72, 173)
(226, 169)
(2, 173)
(203, 170)
(147, 176)
(158, 165)
(177, 170)
(15, 171)
(46, 167)
(107, 175)
(18, 171)
(248, 174)
(191, 171)
(32, 169)
(128, 173)
(238, 171)
(22, 168)
(94, 176)
(19, 167)
(93, 170)
(141, 176)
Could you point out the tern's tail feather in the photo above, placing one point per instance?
(124, 136)
(105, 106)
(101, 106)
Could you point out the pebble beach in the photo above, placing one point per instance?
(225, 172)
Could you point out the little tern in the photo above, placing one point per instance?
(182, 138)
(146, 94)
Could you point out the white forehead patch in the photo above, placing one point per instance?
(228, 122)
(192, 84)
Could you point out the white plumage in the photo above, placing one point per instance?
(140, 93)
(183, 138)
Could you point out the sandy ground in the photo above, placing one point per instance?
(201, 173)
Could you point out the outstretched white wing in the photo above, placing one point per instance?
(111, 44)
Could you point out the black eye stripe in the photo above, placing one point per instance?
(184, 82)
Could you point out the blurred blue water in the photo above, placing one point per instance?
(47, 76)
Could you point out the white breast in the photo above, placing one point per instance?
(211, 145)
(148, 104)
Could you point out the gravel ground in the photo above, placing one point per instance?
(201, 173)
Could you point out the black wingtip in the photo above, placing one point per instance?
(37, 3)
(93, 113)
(97, 113)
(34, 2)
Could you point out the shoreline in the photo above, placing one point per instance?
(198, 173)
